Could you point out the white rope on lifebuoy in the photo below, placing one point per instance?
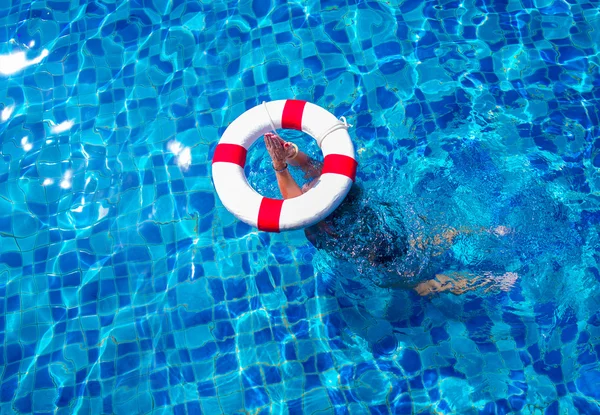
(343, 124)
(274, 215)
(273, 129)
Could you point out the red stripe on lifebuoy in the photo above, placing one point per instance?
(339, 164)
(268, 214)
(292, 114)
(230, 153)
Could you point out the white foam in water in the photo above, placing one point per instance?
(102, 212)
(47, 182)
(17, 61)
(79, 208)
(183, 154)
(7, 111)
(174, 147)
(185, 158)
(66, 181)
(61, 128)
(26, 144)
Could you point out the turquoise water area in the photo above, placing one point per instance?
(126, 287)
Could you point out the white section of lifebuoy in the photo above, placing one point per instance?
(320, 201)
(246, 204)
(232, 193)
(252, 124)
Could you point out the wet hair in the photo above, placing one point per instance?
(366, 230)
(386, 241)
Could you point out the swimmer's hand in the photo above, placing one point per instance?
(276, 150)
(288, 147)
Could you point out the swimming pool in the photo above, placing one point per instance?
(127, 288)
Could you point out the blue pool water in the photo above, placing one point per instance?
(126, 287)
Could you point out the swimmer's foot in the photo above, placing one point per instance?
(501, 230)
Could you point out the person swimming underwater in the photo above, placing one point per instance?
(373, 232)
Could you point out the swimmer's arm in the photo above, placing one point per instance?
(294, 156)
(311, 168)
(287, 185)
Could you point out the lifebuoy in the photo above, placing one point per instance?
(275, 215)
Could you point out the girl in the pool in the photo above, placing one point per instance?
(376, 233)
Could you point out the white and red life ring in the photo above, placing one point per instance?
(274, 215)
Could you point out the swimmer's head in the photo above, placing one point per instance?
(387, 251)
(386, 241)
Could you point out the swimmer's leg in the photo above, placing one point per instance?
(457, 283)
(440, 243)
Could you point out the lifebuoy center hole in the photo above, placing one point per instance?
(259, 168)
